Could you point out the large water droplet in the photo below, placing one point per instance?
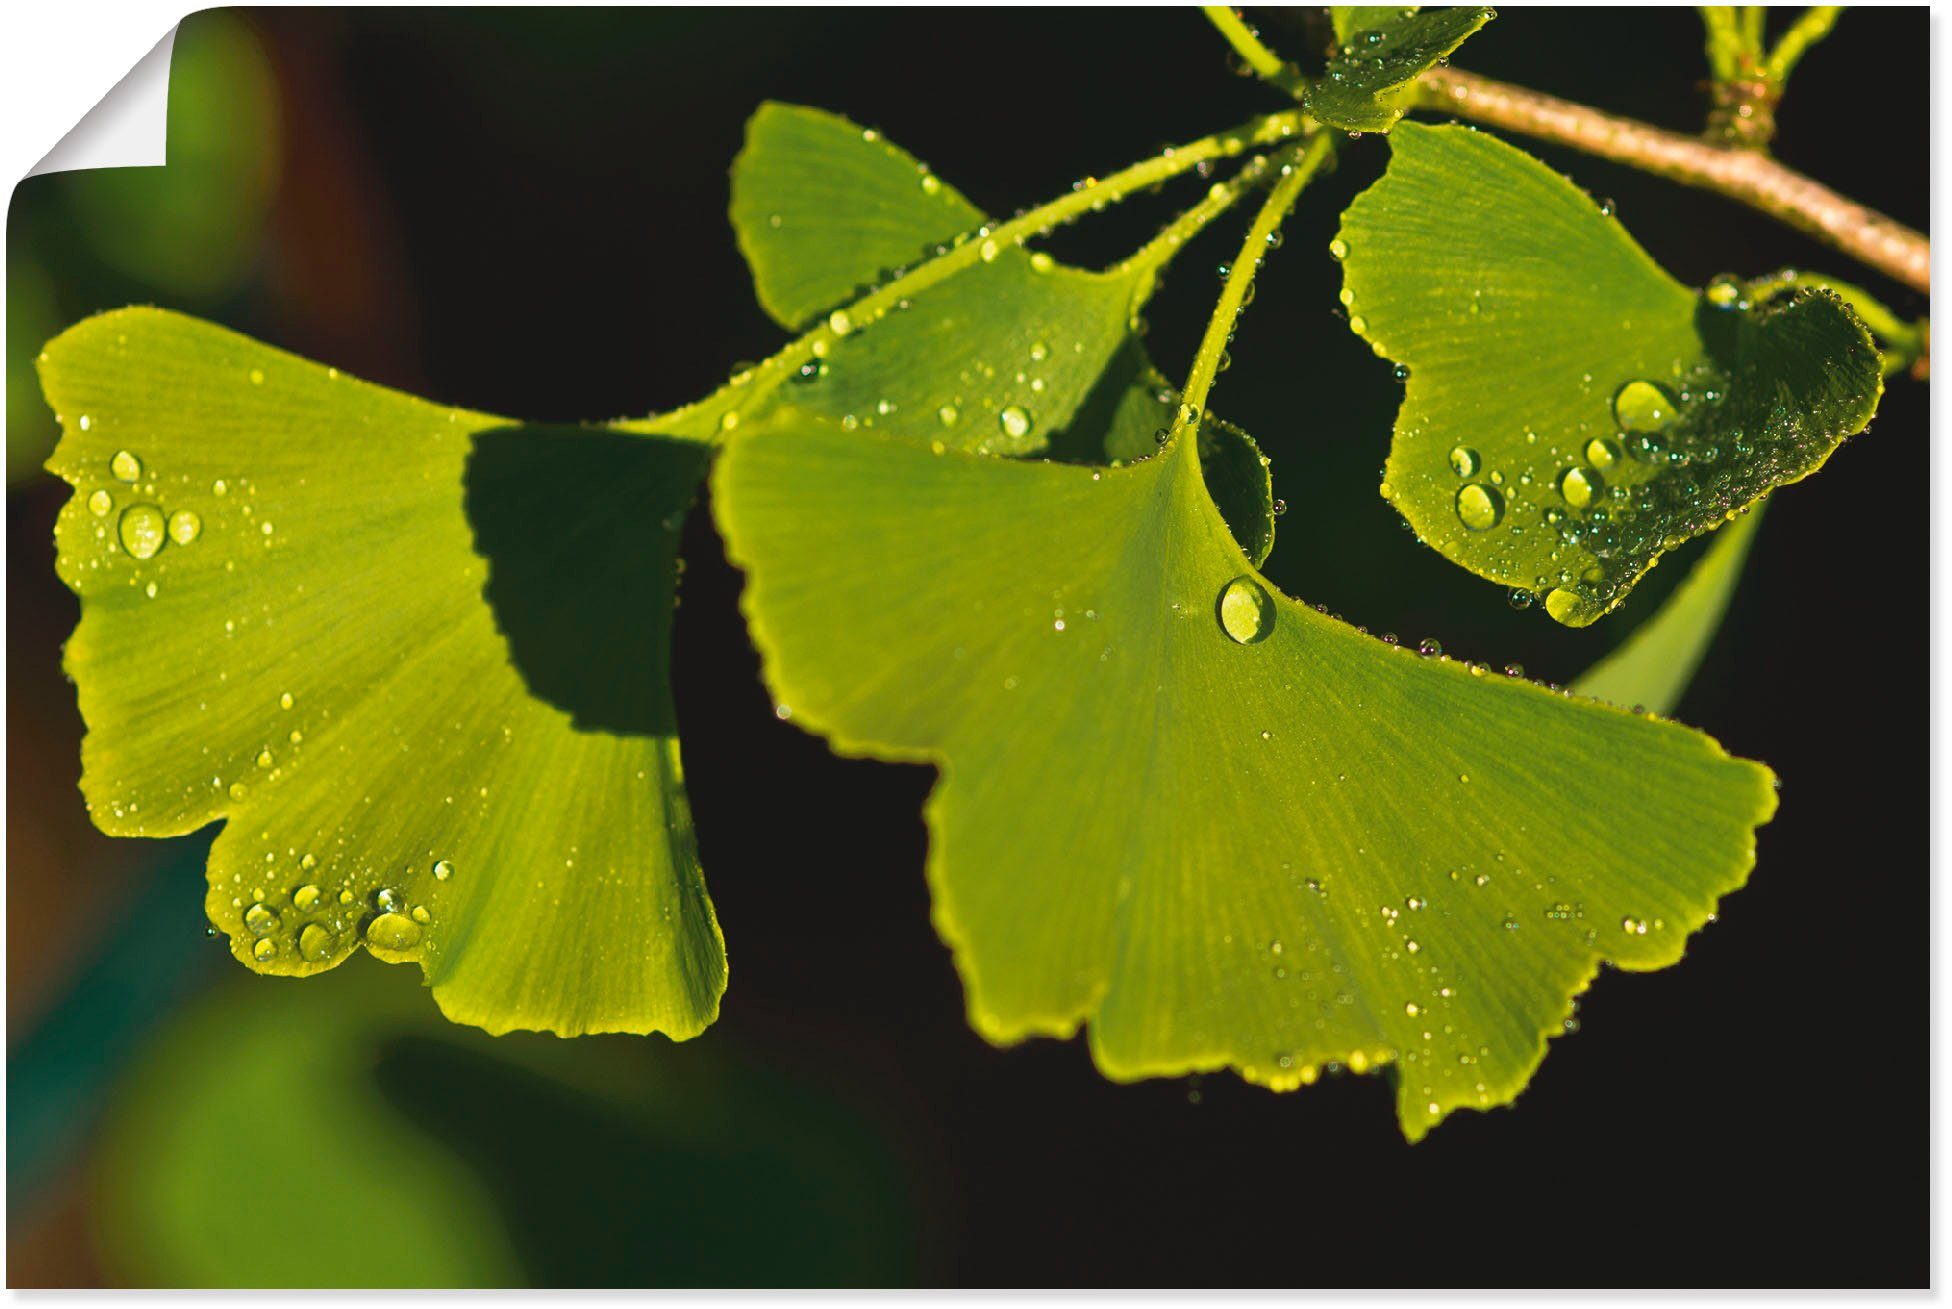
(392, 931)
(1479, 507)
(443, 870)
(1643, 407)
(1246, 610)
(314, 943)
(125, 466)
(1560, 603)
(142, 529)
(185, 526)
(1015, 421)
(1580, 486)
(1602, 452)
(261, 919)
(305, 898)
(1463, 460)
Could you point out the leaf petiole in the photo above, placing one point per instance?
(1247, 43)
(718, 413)
(1297, 168)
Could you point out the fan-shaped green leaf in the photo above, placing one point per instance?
(1653, 667)
(824, 208)
(1572, 412)
(284, 626)
(1370, 82)
(1294, 846)
(1000, 359)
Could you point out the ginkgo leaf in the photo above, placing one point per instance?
(1293, 846)
(1000, 359)
(1370, 82)
(1571, 411)
(333, 616)
(1653, 667)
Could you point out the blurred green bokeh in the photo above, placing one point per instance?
(338, 1133)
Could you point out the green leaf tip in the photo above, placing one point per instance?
(1216, 826)
(1571, 412)
(1370, 81)
(310, 607)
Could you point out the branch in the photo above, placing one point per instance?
(1748, 176)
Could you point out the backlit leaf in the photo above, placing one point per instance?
(414, 656)
(1370, 82)
(1000, 359)
(1571, 412)
(1217, 826)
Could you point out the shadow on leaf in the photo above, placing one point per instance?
(580, 531)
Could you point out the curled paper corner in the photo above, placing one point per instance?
(128, 127)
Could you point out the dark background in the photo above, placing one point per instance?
(524, 212)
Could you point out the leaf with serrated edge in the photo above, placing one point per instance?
(319, 667)
(1528, 319)
(1370, 83)
(1302, 850)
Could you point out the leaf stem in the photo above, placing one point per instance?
(1747, 176)
(1249, 46)
(1725, 45)
(1812, 26)
(1296, 168)
(705, 419)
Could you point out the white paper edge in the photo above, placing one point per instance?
(128, 127)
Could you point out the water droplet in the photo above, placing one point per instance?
(988, 250)
(185, 525)
(261, 919)
(1479, 507)
(421, 915)
(1560, 603)
(238, 790)
(393, 931)
(142, 530)
(1724, 292)
(1642, 407)
(1602, 452)
(100, 503)
(1580, 486)
(443, 870)
(314, 943)
(947, 415)
(1463, 460)
(285, 700)
(125, 466)
(839, 323)
(220, 487)
(265, 951)
(1338, 248)
(1520, 598)
(305, 898)
(1015, 421)
(1429, 646)
(1246, 610)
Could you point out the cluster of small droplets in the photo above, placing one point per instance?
(1675, 458)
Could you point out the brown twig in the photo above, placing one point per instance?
(1749, 176)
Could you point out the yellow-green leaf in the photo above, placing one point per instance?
(1217, 826)
(284, 626)
(1370, 81)
(1571, 412)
